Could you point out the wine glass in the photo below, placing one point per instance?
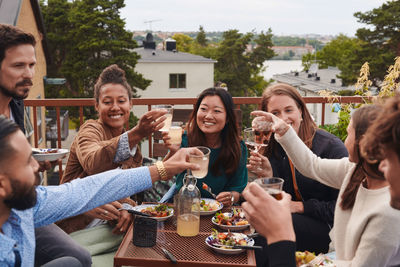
(253, 140)
(202, 161)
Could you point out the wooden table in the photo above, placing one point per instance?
(189, 251)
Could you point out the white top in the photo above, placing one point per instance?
(369, 233)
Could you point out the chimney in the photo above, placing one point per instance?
(149, 42)
(333, 81)
(170, 44)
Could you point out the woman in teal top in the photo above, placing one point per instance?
(213, 124)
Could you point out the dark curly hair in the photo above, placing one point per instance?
(111, 74)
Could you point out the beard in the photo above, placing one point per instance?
(22, 197)
(13, 94)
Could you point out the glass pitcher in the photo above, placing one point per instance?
(188, 209)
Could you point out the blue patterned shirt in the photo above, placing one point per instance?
(123, 151)
(58, 202)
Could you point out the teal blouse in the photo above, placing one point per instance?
(237, 182)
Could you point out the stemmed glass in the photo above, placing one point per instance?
(252, 140)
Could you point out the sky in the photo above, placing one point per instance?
(284, 17)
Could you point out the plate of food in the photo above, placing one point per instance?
(224, 242)
(234, 221)
(160, 212)
(309, 259)
(209, 206)
(50, 154)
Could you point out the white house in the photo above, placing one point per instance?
(173, 74)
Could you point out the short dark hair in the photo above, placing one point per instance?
(7, 127)
(12, 36)
(111, 74)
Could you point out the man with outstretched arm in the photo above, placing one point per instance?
(24, 206)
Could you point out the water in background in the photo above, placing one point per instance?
(281, 66)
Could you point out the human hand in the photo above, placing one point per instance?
(296, 207)
(225, 198)
(47, 165)
(167, 143)
(270, 217)
(106, 212)
(259, 165)
(125, 219)
(148, 123)
(278, 126)
(179, 162)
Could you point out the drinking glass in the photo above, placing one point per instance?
(175, 133)
(273, 186)
(167, 122)
(262, 129)
(202, 161)
(252, 141)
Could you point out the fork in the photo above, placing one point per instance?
(208, 189)
(317, 260)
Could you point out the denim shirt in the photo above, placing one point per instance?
(66, 200)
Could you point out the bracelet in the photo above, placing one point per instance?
(161, 170)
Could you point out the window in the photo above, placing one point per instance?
(177, 80)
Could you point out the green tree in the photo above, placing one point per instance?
(85, 36)
(241, 69)
(183, 42)
(379, 43)
(201, 37)
(334, 53)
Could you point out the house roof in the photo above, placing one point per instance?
(162, 56)
(9, 13)
(308, 80)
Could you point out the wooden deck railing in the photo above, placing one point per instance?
(84, 102)
(81, 103)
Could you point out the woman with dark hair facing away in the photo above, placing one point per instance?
(213, 124)
(365, 224)
(313, 203)
(102, 145)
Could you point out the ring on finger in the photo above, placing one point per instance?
(105, 212)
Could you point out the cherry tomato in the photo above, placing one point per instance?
(221, 236)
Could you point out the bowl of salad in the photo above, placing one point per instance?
(159, 212)
(209, 206)
(224, 242)
(234, 220)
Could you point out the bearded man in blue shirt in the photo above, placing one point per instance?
(24, 206)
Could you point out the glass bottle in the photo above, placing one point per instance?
(188, 210)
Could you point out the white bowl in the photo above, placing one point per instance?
(210, 212)
(43, 156)
(159, 219)
(229, 251)
(229, 227)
